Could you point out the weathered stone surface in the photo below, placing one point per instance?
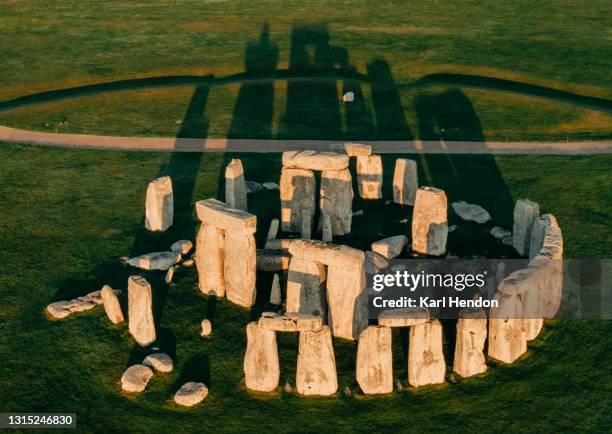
(135, 378)
(159, 361)
(219, 215)
(62, 309)
(170, 273)
(297, 193)
(209, 259)
(425, 354)
(205, 327)
(375, 361)
(403, 317)
(155, 260)
(347, 303)
(525, 213)
(280, 244)
(182, 246)
(370, 176)
(273, 229)
(390, 247)
(405, 181)
(290, 322)
(314, 160)
(327, 234)
(272, 260)
(507, 339)
(140, 310)
(469, 344)
(471, 212)
(188, 263)
(261, 365)
(538, 231)
(239, 267)
(316, 364)
(374, 263)
(306, 287)
(275, 292)
(306, 223)
(190, 394)
(357, 149)
(329, 254)
(429, 222)
(235, 187)
(159, 207)
(500, 233)
(337, 199)
(111, 305)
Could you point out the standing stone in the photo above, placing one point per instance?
(346, 300)
(425, 355)
(337, 199)
(235, 187)
(159, 207)
(538, 231)
(297, 192)
(306, 287)
(525, 213)
(469, 345)
(375, 360)
(239, 267)
(306, 224)
(275, 293)
(209, 259)
(140, 310)
(316, 364)
(111, 305)
(370, 176)
(273, 229)
(533, 321)
(429, 222)
(405, 181)
(261, 365)
(390, 247)
(507, 339)
(326, 228)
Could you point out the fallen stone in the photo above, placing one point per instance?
(253, 187)
(275, 292)
(159, 361)
(337, 199)
(239, 267)
(182, 246)
(374, 263)
(403, 317)
(221, 216)
(316, 364)
(314, 160)
(297, 193)
(500, 233)
(140, 311)
(290, 322)
(188, 263)
(271, 186)
(425, 354)
(339, 256)
(190, 394)
(525, 213)
(469, 344)
(374, 370)
(111, 305)
(358, 213)
(135, 378)
(205, 327)
(471, 212)
(159, 206)
(405, 181)
(155, 260)
(390, 247)
(64, 308)
(306, 287)
(429, 222)
(235, 186)
(209, 259)
(261, 364)
(273, 229)
(272, 260)
(370, 176)
(170, 274)
(508, 241)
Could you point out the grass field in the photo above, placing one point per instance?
(71, 214)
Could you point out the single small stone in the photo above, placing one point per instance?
(507, 240)
(452, 378)
(398, 385)
(403, 221)
(155, 260)
(388, 202)
(348, 97)
(275, 293)
(187, 263)
(347, 392)
(471, 212)
(253, 187)
(182, 246)
(358, 213)
(271, 186)
(206, 327)
(135, 378)
(500, 233)
(159, 361)
(190, 394)
(452, 228)
(288, 388)
(170, 274)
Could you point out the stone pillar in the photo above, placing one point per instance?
(525, 213)
(375, 360)
(469, 345)
(425, 356)
(140, 311)
(111, 305)
(209, 258)
(532, 313)
(159, 206)
(405, 181)
(239, 267)
(235, 186)
(537, 234)
(326, 228)
(337, 199)
(430, 222)
(261, 365)
(346, 300)
(316, 364)
(272, 230)
(370, 176)
(297, 192)
(275, 292)
(306, 287)
(507, 339)
(306, 224)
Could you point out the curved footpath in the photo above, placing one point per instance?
(171, 144)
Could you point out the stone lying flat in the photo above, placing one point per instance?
(219, 215)
(159, 361)
(159, 206)
(182, 246)
(111, 305)
(190, 394)
(314, 160)
(290, 322)
(374, 263)
(135, 378)
(272, 260)
(297, 195)
(62, 309)
(155, 260)
(357, 149)
(471, 212)
(500, 233)
(253, 187)
(329, 254)
(390, 247)
(403, 317)
(270, 186)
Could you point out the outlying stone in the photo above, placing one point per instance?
(140, 310)
(337, 199)
(370, 176)
(261, 365)
(159, 207)
(507, 338)
(271, 186)
(314, 160)
(62, 309)
(297, 193)
(135, 378)
(272, 260)
(239, 267)
(429, 222)
(155, 260)
(425, 354)
(235, 188)
(469, 345)
(190, 394)
(316, 364)
(275, 292)
(209, 259)
(111, 305)
(403, 317)
(306, 287)
(471, 212)
(182, 246)
(525, 213)
(405, 181)
(290, 322)
(219, 215)
(390, 247)
(374, 370)
(159, 361)
(205, 327)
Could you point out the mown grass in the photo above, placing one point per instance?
(69, 215)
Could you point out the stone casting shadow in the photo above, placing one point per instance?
(196, 368)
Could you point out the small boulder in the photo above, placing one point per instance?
(182, 246)
(170, 274)
(190, 394)
(471, 212)
(159, 361)
(253, 187)
(135, 378)
(205, 327)
(188, 263)
(500, 233)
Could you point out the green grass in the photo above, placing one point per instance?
(69, 215)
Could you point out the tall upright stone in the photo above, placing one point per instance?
(209, 259)
(469, 344)
(306, 287)
(507, 338)
(159, 206)
(297, 193)
(261, 364)
(337, 199)
(375, 360)
(316, 364)
(370, 176)
(306, 229)
(235, 186)
(275, 291)
(239, 267)
(326, 228)
(538, 231)
(140, 310)
(347, 303)
(405, 181)
(425, 354)
(525, 214)
(430, 221)
(272, 230)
